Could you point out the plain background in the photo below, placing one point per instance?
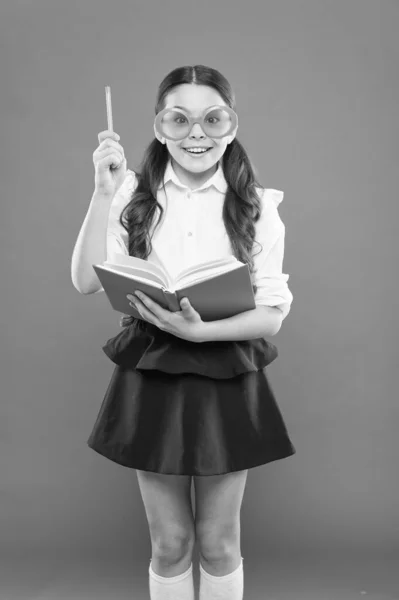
(317, 94)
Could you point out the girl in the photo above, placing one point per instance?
(187, 398)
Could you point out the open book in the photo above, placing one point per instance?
(217, 289)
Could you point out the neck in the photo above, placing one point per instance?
(193, 180)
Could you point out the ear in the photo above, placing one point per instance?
(160, 138)
(231, 137)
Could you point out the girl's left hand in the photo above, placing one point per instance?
(186, 324)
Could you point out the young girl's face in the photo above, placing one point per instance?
(195, 99)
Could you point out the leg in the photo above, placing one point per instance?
(218, 500)
(167, 502)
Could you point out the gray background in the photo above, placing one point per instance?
(317, 94)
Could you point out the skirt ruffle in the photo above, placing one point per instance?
(162, 351)
(179, 407)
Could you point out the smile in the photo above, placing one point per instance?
(196, 153)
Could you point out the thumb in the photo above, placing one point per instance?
(185, 303)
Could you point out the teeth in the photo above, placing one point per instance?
(197, 151)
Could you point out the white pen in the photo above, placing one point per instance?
(110, 126)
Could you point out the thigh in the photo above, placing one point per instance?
(218, 500)
(167, 503)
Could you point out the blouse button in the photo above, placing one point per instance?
(190, 233)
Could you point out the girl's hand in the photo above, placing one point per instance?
(186, 324)
(109, 164)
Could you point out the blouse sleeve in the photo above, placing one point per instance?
(117, 236)
(269, 277)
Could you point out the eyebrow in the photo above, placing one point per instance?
(185, 108)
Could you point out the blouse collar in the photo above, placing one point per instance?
(217, 180)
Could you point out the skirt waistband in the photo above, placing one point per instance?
(146, 347)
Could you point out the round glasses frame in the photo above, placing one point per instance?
(192, 121)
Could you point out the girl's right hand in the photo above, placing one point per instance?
(109, 163)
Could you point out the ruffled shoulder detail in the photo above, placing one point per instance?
(275, 196)
(157, 350)
(122, 196)
(130, 180)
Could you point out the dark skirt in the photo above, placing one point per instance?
(185, 408)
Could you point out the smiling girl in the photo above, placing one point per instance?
(189, 401)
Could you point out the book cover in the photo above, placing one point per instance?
(217, 290)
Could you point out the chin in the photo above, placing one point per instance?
(195, 165)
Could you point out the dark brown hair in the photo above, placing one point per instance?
(242, 205)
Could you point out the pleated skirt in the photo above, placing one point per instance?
(185, 408)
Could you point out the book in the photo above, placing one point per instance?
(217, 289)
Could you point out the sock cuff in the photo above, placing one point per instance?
(221, 577)
(175, 579)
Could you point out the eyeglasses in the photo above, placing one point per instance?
(216, 121)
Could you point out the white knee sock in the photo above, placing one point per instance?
(180, 587)
(226, 587)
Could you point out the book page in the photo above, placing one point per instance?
(138, 273)
(203, 275)
(146, 280)
(141, 267)
(154, 274)
(205, 265)
(203, 269)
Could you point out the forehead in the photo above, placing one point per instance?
(193, 97)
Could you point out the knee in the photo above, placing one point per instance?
(172, 546)
(217, 543)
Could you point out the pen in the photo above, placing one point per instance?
(109, 107)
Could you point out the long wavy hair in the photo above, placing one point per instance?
(242, 205)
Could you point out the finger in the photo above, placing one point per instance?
(152, 306)
(141, 309)
(185, 303)
(105, 149)
(108, 134)
(109, 158)
(134, 304)
(137, 304)
(99, 155)
(110, 143)
(146, 313)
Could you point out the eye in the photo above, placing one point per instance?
(214, 119)
(180, 118)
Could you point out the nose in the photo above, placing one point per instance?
(195, 130)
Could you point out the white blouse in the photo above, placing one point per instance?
(192, 230)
